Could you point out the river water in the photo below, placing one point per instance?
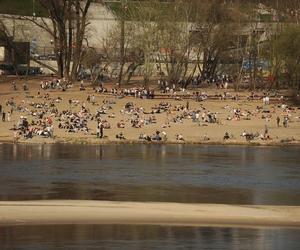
(173, 173)
(164, 173)
(146, 237)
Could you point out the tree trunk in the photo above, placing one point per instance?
(122, 50)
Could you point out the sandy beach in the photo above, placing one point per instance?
(107, 212)
(191, 131)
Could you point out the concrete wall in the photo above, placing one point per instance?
(101, 22)
(2, 54)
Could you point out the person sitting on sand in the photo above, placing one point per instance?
(164, 135)
(81, 88)
(120, 136)
(144, 137)
(28, 133)
(111, 115)
(179, 137)
(226, 136)
(166, 125)
(106, 124)
(244, 133)
(121, 124)
(156, 136)
(206, 138)
(251, 136)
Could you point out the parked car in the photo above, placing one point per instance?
(34, 55)
(51, 57)
(43, 57)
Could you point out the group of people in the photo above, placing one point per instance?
(46, 113)
(220, 81)
(29, 130)
(62, 84)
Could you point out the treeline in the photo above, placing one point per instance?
(179, 40)
(208, 38)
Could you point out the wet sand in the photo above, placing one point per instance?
(65, 212)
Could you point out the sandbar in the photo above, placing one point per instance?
(67, 212)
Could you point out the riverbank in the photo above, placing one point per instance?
(86, 141)
(145, 117)
(65, 212)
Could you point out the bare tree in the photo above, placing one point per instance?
(67, 26)
(215, 34)
(133, 55)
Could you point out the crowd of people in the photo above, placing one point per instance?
(46, 116)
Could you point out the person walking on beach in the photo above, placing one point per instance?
(266, 132)
(8, 116)
(51, 131)
(25, 86)
(93, 100)
(266, 129)
(14, 85)
(3, 116)
(285, 121)
(101, 129)
(16, 136)
(278, 121)
(98, 131)
(267, 99)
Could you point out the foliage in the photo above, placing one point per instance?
(288, 50)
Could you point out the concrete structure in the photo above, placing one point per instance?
(102, 21)
(2, 53)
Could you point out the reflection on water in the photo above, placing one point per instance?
(146, 237)
(174, 173)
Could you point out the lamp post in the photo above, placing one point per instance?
(33, 9)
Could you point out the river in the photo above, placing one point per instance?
(164, 173)
(173, 173)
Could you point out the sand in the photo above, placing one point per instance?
(66, 212)
(192, 132)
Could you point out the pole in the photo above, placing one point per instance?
(33, 8)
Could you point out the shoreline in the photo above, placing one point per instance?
(67, 212)
(88, 141)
